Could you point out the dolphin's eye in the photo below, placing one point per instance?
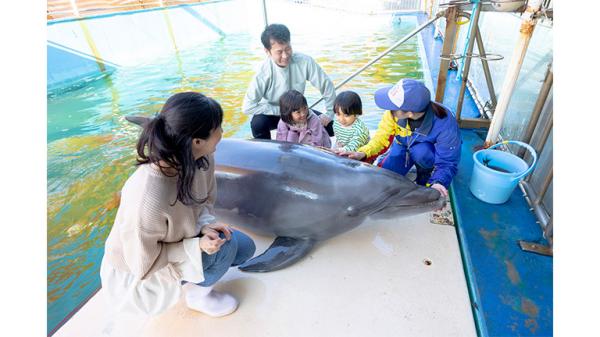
(351, 211)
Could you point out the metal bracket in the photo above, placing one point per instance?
(495, 57)
(536, 248)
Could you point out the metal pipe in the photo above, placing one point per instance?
(537, 109)
(486, 67)
(514, 68)
(541, 142)
(449, 37)
(264, 7)
(387, 51)
(538, 210)
(468, 56)
(74, 8)
(540, 196)
(539, 146)
(549, 232)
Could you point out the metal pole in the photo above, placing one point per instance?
(537, 109)
(387, 51)
(545, 133)
(468, 56)
(541, 143)
(74, 7)
(486, 67)
(549, 232)
(545, 185)
(264, 7)
(449, 37)
(508, 86)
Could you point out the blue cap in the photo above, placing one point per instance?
(406, 95)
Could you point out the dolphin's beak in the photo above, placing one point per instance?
(419, 200)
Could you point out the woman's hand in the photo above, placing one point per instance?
(216, 228)
(210, 241)
(440, 188)
(350, 154)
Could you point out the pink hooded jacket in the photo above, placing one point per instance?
(313, 133)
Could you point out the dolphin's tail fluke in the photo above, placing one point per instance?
(283, 252)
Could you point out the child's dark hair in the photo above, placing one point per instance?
(289, 102)
(276, 32)
(438, 109)
(349, 102)
(168, 138)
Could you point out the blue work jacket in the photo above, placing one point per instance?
(444, 135)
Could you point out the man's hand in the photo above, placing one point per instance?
(440, 188)
(325, 120)
(350, 154)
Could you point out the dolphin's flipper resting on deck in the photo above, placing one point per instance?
(283, 252)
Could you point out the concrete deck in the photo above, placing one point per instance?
(374, 280)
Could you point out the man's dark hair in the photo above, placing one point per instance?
(289, 102)
(349, 102)
(276, 32)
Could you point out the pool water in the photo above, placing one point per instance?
(91, 147)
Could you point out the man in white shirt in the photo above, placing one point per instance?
(280, 72)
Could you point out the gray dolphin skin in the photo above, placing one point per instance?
(302, 194)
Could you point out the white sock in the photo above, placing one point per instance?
(211, 302)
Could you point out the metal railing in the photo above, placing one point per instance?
(64, 9)
(537, 185)
(385, 52)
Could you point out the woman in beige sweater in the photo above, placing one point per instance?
(165, 237)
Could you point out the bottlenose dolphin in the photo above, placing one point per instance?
(302, 194)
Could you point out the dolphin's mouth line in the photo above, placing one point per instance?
(423, 205)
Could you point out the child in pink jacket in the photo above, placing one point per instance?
(299, 124)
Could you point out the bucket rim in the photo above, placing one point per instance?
(511, 174)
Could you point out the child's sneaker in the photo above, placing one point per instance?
(208, 301)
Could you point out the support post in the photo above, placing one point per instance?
(486, 67)
(468, 56)
(264, 8)
(74, 8)
(449, 37)
(526, 31)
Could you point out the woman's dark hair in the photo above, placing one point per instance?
(168, 138)
(349, 102)
(289, 102)
(276, 32)
(438, 110)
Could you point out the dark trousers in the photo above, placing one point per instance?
(262, 125)
(422, 155)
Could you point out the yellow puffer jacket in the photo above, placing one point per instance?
(386, 131)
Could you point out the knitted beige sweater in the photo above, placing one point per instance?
(147, 233)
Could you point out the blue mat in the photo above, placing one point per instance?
(511, 290)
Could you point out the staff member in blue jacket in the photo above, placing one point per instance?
(421, 132)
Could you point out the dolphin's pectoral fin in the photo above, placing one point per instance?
(283, 252)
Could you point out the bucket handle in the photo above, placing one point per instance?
(528, 147)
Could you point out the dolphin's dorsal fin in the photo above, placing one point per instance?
(139, 120)
(283, 252)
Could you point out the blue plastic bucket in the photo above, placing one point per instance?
(496, 173)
